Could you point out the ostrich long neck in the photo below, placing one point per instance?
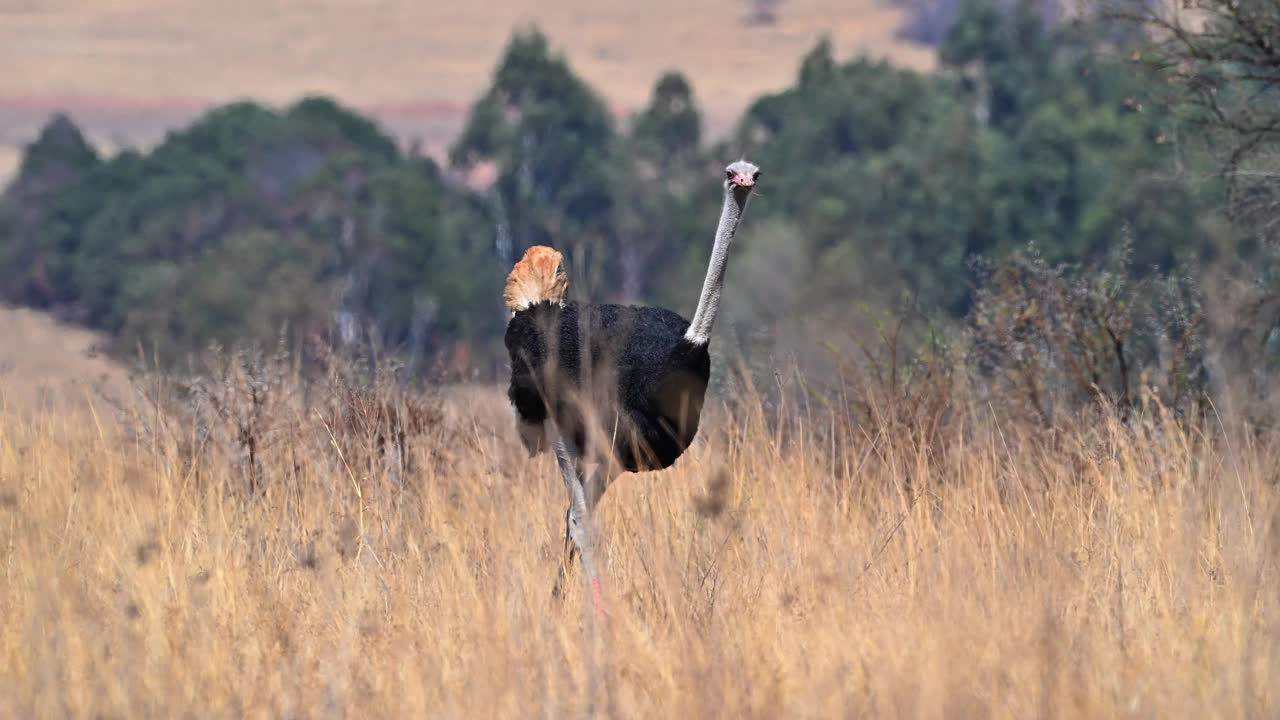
(699, 331)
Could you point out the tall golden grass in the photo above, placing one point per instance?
(804, 567)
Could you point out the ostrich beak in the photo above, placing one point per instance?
(743, 181)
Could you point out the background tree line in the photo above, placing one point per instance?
(1034, 135)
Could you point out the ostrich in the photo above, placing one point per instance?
(610, 388)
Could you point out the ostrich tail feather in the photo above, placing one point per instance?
(538, 277)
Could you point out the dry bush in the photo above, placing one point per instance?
(904, 380)
(802, 561)
(1244, 317)
(262, 411)
(1052, 341)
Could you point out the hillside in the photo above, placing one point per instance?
(128, 71)
(46, 362)
(10, 157)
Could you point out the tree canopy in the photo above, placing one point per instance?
(247, 222)
(878, 181)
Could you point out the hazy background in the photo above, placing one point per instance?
(128, 71)
(365, 173)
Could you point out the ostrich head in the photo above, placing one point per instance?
(740, 178)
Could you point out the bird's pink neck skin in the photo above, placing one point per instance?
(741, 178)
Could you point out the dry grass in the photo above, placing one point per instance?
(44, 363)
(813, 569)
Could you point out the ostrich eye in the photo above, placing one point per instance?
(728, 174)
(755, 176)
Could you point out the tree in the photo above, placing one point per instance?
(250, 221)
(663, 179)
(1029, 134)
(1221, 60)
(553, 144)
(878, 182)
(1006, 56)
(59, 158)
(668, 132)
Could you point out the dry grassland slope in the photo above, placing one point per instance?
(131, 68)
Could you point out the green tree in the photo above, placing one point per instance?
(668, 196)
(668, 132)
(1029, 134)
(1221, 67)
(56, 162)
(250, 221)
(553, 144)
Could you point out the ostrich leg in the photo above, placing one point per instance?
(566, 562)
(580, 529)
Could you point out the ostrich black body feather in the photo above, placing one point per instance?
(625, 372)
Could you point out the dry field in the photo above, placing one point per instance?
(812, 568)
(10, 159)
(131, 69)
(49, 365)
